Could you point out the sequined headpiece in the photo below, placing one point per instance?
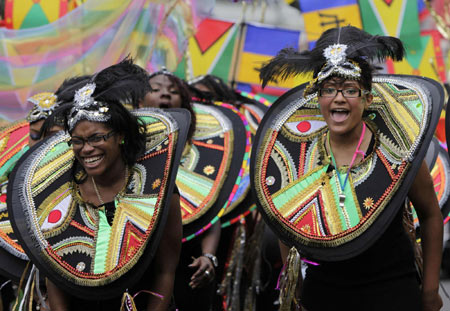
(85, 107)
(345, 52)
(196, 80)
(162, 71)
(43, 106)
(338, 64)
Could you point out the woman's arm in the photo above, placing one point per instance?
(423, 197)
(209, 243)
(166, 259)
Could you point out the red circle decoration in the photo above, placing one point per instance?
(3, 198)
(54, 216)
(304, 126)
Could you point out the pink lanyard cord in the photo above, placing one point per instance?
(357, 151)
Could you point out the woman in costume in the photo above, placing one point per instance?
(107, 140)
(359, 256)
(210, 89)
(14, 259)
(196, 269)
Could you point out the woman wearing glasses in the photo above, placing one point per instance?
(347, 135)
(113, 233)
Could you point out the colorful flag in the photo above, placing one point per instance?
(293, 3)
(21, 14)
(260, 44)
(397, 18)
(93, 36)
(319, 16)
(210, 50)
(426, 61)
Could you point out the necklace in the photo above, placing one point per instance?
(99, 197)
(357, 151)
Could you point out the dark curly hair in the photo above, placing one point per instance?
(218, 89)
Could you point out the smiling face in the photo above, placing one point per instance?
(164, 94)
(343, 115)
(102, 159)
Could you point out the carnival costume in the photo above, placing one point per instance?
(241, 243)
(209, 167)
(210, 163)
(14, 143)
(341, 219)
(95, 252)
(438, 161)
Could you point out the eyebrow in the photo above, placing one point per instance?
(343, 84)
(95, 134)
(157, 83)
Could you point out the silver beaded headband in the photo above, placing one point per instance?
(85, 107)
(338, 64)
(163, 71)
(43, 106)
(196, 80)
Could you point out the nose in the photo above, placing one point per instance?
(339, 96)
(86, 148)
(165, 92)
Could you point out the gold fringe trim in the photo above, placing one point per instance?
(289, 279)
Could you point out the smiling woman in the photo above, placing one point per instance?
(351, 157)
(112, 197)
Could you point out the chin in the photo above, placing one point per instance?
(96, 171)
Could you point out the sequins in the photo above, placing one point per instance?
(368, 203)
(156, 183)
(270, 180)
(209, 170)
(81, 266)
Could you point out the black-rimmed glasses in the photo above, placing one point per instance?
(93, 141)
(347, 93)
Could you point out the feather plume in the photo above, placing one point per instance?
(362, 47)
(286, 63)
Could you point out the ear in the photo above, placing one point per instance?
(368, 100)
(120, 138)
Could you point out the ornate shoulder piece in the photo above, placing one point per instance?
(72, 242)
(299, 197)
(210, 167)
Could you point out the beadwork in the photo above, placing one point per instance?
(306, 210)
(64, 228)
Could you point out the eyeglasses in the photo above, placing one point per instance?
(93, 141)
(347, 93)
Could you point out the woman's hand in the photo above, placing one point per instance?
(203, 274)
(431, 301)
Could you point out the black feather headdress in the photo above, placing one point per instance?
(345, 51)
(91, 97)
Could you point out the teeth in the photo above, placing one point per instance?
(92, 159)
